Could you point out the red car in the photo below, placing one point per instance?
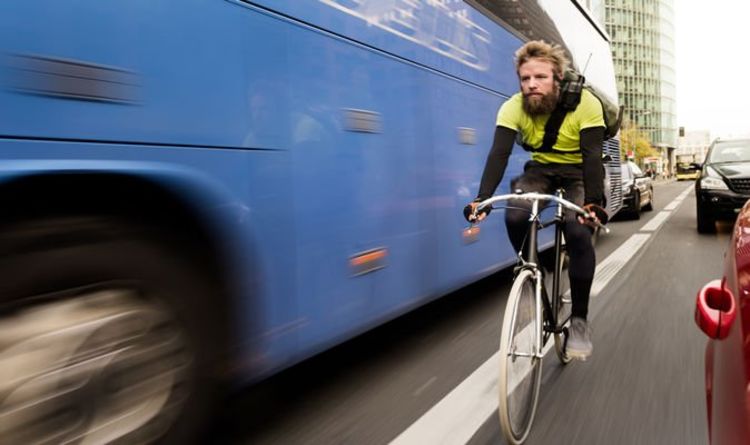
(722, 311)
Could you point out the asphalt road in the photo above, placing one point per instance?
(643, 385)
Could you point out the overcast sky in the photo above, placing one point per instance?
(713, 66)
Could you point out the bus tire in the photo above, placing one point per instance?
(116, 318)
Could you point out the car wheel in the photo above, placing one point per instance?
(650, 206)
(705, 223)
(104, 334)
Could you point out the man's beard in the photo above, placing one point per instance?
(538, 105)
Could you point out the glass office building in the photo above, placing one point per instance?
(642, 37)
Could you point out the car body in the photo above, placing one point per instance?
(637, 190)
(722, 314)
(724, 184)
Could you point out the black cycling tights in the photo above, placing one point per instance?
(577, 236)
(580, 250)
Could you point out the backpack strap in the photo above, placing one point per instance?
(551, 130)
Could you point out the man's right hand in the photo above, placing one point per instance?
(469, 213)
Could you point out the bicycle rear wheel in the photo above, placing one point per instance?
(561, 304)
(520, 366)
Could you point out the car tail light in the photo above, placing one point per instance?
(715, 310)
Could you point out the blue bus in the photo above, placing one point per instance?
(203, 191)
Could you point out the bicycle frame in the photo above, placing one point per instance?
(544, 304)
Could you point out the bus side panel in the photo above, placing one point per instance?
(170, 72)
(362, 167)
(451, 37)
(458, 108)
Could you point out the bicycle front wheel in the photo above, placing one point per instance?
(520, 361)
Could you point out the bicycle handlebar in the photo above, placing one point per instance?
(534, 196)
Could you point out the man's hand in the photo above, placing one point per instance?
(469, 212)
(598, 215)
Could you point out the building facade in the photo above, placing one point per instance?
(642, 37)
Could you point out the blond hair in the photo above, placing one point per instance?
(539, 49)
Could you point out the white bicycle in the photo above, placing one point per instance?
(536, 310)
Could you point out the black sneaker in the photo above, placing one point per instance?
(579, 339)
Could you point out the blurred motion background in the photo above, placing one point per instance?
(198, 195)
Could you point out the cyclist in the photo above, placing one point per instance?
(574, 163)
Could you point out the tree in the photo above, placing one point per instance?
(632, 138)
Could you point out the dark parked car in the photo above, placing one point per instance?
(637, 190)
(722, 314)
(724, 185)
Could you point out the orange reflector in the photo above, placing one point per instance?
(471, 234)
(368, 257)
(368, 261)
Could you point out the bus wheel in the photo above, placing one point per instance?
(99, 336)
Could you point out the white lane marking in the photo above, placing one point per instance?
(421, 389)
(673, 205)
(607, 269)
(655, 222)
(686, 192)
(457, 417)
(678, 200)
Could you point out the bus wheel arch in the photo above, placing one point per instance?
(69, 217)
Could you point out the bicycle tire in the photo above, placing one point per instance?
(562, 307)
(520, 377)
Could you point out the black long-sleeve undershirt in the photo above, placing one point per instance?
(591, 150)
(497, 160)
(592, 140)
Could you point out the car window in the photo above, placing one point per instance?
(636, 171)
(625, 172)
(730, 151)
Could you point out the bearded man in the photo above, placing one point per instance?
(574, 163)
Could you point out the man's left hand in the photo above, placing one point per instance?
(597, 213)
